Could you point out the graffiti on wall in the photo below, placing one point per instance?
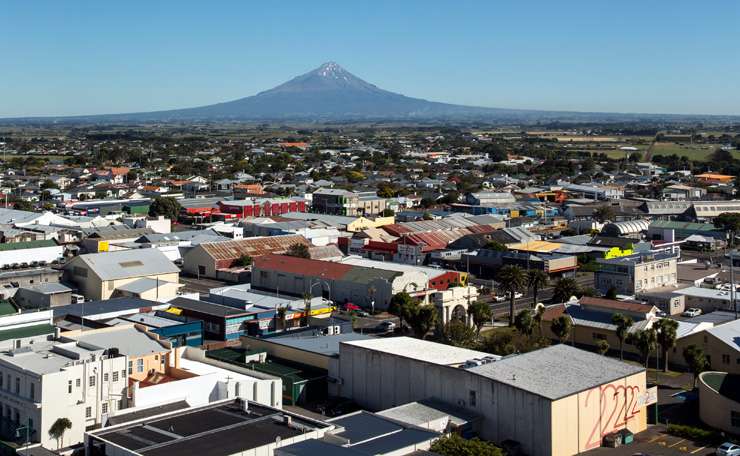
(611, 408)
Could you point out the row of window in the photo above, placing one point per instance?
(7, 383)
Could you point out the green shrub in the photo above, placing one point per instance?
(694, 433)
(454, 445)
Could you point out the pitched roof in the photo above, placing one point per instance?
(124, 264)
(613, 304)
(302, 266)
(253, 247)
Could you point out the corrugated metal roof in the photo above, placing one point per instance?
(254, 247)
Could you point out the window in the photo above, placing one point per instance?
(725, 359)
(472, 398)
(78, 383)
(139, 365)
(115, 376)
(120, 404)
(105, 377)
(104, 408)
(123, 373)
(17, 385)
(92, 380)
(69, 387)
(1, 380)
(32, 392)
(734, 418)
(88, 412)
(130, 367)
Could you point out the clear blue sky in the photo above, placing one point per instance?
(75, 57)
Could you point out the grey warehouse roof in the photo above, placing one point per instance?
(557, 371)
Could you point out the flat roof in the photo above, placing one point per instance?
(557, 371)
(421, 350)
(218, 429)
(127, 339)
(326, 345)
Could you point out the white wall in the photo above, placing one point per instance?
(47, 254)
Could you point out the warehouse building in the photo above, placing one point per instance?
(557, 400)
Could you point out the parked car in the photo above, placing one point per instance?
(387, 325)
(518, 295)
(499, 298)
(691, 312)
(728, 449)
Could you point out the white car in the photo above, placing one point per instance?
(499, 298)
(518, 295)
(728, 449)
(692, 312)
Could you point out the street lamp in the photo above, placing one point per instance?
(27, 429)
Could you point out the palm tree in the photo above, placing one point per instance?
(666, 335)
(645, 341)
(480, 313)
(422, 319)
(524, 322)
(280, 314)
(57, 430)
(602, 346)
(623, 324)
(561, 327)
(539, 312)
(536, 280)
(564, 289)
(307, 307)
(511, 279)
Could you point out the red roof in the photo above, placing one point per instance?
(302, 266)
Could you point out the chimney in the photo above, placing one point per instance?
(245, 405)
(287, 420)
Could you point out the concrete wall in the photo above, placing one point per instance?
(285, 352)
(47, 254)
(715, 409)
(379, 381)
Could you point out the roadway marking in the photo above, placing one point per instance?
(671, 446)
(698, 450)
(655, 438)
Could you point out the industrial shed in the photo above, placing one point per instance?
(559, 400)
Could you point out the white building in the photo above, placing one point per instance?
(43, 382)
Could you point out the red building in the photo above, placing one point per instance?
(262, 207)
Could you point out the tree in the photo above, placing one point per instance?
(388, 213)
(564, 289)
(645, 341)
(58, 428)
(280, 314)
(400, 304)
(696, 359)
(539, 312)
(22, 205)
(512, 280)
(244, 261)
(495, 245)
(165, 206)
(603, 214)
(422, 319)
(665, 329)
(729, 222)
(602, 346)
(611, 293)
(459, 334)
(298, 250)
(524, 322)
(454, 445)
(561, 327)
(480, 313)
(48, 183)
(623, 324)
(536, 279)
(307, 308)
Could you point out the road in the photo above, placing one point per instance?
(501, 309)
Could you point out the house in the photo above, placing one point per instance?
(680, 192)
(208, 259)
(31, 253)
(98, 275)
(714, 178)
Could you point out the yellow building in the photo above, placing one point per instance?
(98, 275)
